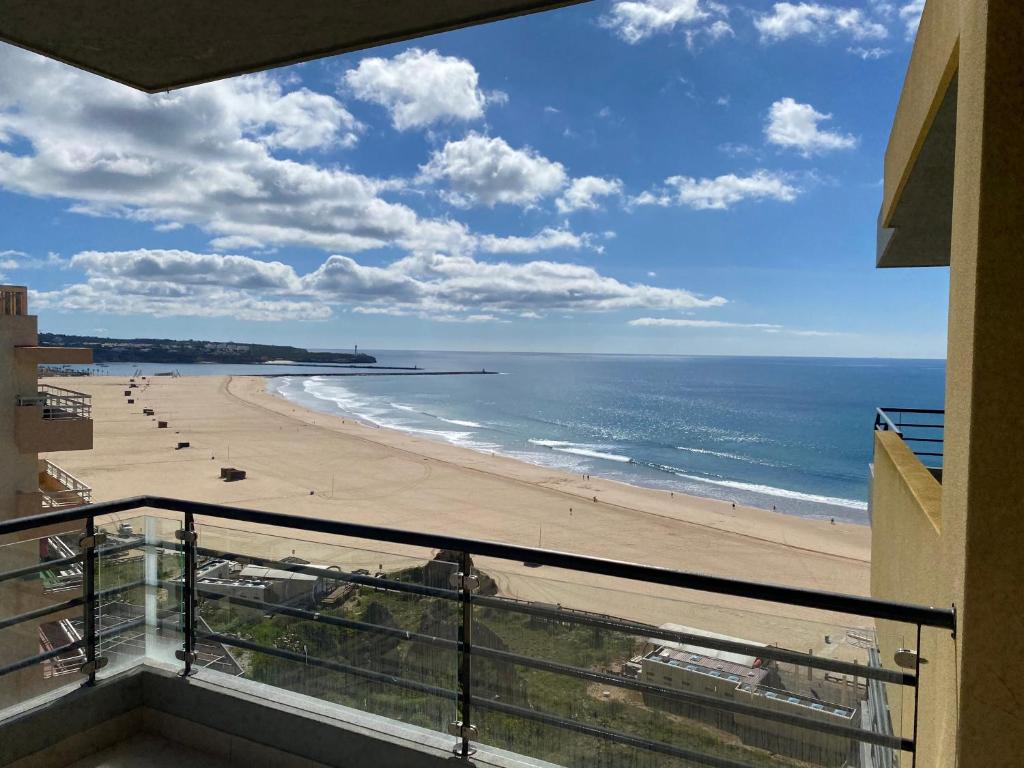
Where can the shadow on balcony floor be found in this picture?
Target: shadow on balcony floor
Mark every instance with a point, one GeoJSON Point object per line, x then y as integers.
{"type": "Point", "coordinates": [148, 751]}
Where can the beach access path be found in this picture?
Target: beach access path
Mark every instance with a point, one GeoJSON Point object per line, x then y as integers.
{"type": "Point", "coordinates": [309, 463]}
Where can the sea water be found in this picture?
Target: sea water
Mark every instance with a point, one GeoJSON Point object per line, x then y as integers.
{"type": "Point", "coordinates": [791, 434]}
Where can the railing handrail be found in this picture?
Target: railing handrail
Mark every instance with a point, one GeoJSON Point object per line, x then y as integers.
{"type": "Point", "coordinates": [62, 392]}
{"type": "Point", "coordinates": [65, 478]}
{"type": "Point", "coordinates": [59, 403]}
{"type": "Point", "coordinates": [944, 618]}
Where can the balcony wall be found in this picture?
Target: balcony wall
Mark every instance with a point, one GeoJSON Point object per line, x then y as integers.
{"type": "Point", "coordinates": [32, 355]}
{"type": "Point", "coordinates": [907, 556]}
{"type": "Point", "coordinates": [34, 434]}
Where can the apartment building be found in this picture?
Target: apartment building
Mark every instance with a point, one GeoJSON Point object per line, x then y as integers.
{"type": "Point", "coordinates": [36, 418]}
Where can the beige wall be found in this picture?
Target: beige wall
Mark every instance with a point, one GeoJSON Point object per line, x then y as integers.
{"type": "Point", "coordinates": [18, 471]}
{"type": "Point", "coordinates": [34, 434]}
{"type": "Point", "coordinates": [971, 553]}
{"type": "Point", "coordinates": [907, 552]}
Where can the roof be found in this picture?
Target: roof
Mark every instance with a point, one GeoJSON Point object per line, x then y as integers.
{"type": "Point", "coordinates": [157, 46]}
{"type": "Point", "coordinates": [259, 572]}
{"type": "Point", "coordinates": [744, 660]}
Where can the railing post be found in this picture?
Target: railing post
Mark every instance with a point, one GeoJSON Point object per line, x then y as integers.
{"type": "Point", "coordinates": [187, 537]}
{"type": "Point", "coordinates": [463, 728]}
{"type": "Point", "coordinates": [88, 544]}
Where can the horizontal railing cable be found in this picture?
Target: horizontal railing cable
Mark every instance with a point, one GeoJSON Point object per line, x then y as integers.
{"type": "Point", "coordinates": [334, 666]}
{"type": "Point", "coordinates": [696, 699]}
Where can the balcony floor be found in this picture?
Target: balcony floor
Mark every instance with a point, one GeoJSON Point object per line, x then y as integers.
{"type": "Point", "coordinates": [148, 751]}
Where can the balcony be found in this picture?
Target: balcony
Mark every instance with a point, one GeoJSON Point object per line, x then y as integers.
{"type": "Point", "coordinates": [275, 639]}
{"type": "Point", "coordinates": [13, 300]}
{"type": "Point", "coordinates": [922, 429]}
{"type": "Point", "coordinates": [61, 489]}
{"type": "Point", "coordinates": [35, 355]}
{"type": "Point", "coordinates": [53, 419]}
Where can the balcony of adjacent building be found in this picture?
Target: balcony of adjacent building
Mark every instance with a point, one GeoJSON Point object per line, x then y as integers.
{"type": "Point", "coordinates": [167, 630]}
{"type": "Point", "coordinates": [60, 489]}
{"type": "Point", "coordinates": [53, 419]}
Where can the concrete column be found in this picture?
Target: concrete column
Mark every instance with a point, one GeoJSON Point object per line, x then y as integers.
{"type": "Point", "coordinates": [983, 483]}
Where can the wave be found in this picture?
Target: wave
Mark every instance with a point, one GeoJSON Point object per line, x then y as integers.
{"type": "Point", "coordinates": [461, 422]}
{"type": "Point", "coordinates": [456, 422]}
{"type": "Point", "coordinates": [725, 455]}
{"type": "Point", "coordinates": [582, 449]}
{"type": "Point", "coordinates": [785, 493]}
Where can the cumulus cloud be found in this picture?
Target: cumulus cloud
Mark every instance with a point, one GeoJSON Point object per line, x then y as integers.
{"type": "Point", "coordinates": [636, 20]}
{"type": "Point", "coordinates": [419, 88]}
{"type": "Point", "coordinates": [175, 282]}
{"type": "Point", "coordinates": [549, 238]}
{"type": "Point", "coordinates": [721, 192]}
{"type": "Point", "coordinates": [208, 156]}
{"type": "Point", "coordinates": [793, 125]}
{"type": "Point", "coordinates": [481, 170]}
{"type": "Point", "coordinates": [910, 15]}
{"type": "Point", "coordinates": [20, 260]}
{"type": "Point", "coordinates": [582, 193]}
{"type": "Point", "coordinates": [816, 21]}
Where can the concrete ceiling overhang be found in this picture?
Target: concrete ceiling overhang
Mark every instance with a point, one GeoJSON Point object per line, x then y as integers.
{"type": "Point", "coordinates": [156, 45]}
{"type": "Point", "coordinates": [919, 230]}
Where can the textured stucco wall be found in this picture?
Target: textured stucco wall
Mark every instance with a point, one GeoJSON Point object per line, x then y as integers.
{"type": "Point", "coordinates": [18, 472]}
{"type": "Point", "coordinates": [975, 556]}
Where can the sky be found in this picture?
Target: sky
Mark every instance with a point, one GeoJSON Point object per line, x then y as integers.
{"type": "Point", "coordinates": [652, 176]}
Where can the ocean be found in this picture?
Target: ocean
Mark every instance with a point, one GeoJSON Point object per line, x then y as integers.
{"type": "Point", "coordinates": [791, 434]}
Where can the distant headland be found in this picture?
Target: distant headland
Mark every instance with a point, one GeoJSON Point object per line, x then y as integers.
{"type": "Point", "coordinates": [194, 351]}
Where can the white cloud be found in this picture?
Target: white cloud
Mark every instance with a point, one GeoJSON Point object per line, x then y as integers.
{"type": "Point", "coordinates": [775, 328]}
{"type": "Point", "coordinates": [721, 192]}
{"type": "Point", "coordinates": [582, 193]}
{"type": "Point", "coordinates": [675, 322]}
{"type": "Point", "coordinates": [547, 239]}
{"type": "Point", "coordinates": [172, 282]}
{"type": "Point", "coordinates": [910, 15]}
{"type": "Point", "coordinates": [205, 156]}
{"type": "Point", "coordinates": [480, 170]}
{"type": "Point", "coordinates": [420, 88]}
{"type": "Point", "coordinates": [793, 125]}
{"type": "Point", "coordinates": [636, 20]}
{"type": "Point", "coordinates": [814, 20]}
{"type": "Point", "coordinates": [20, 260]}
{"type": "Point", "coordinates": [869, 54]}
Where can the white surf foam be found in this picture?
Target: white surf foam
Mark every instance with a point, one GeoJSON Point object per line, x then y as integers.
{"type": "Point", "coordinates": [583, 449]}
{"type": "Point", "coordinates": [784, 493]}
{"type": "Point", "coordinates": [462, 423]}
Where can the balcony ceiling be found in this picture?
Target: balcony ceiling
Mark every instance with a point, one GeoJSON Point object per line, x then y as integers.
{"type": "Point", "coordinates": [920, 228]}
{"type": "Point", "coordinates": [158, 46]}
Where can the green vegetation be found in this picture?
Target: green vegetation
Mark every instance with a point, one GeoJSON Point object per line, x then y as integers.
{"type": "Point", "coordinates": [193, 351]}
{"type": "Point", "coordinates": [567, 643]}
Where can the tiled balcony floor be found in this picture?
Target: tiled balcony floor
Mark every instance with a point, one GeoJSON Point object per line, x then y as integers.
{"type": "Point", "coordinates": [148, 751]}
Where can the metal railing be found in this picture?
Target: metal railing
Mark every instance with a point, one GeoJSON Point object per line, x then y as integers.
{"type": "Point", "coordinates": [13, 300]}
{"type": "Point", "coordinates": [922, 428]}
{"type": "Point", "coordinates": [59, 403]}
{"type": "Point", "coordinates": [474, 704]}
{"type": "Point", "coordinates": [72, 493]}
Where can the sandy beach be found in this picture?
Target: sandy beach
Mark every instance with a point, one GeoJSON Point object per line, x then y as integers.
{"type": "Point", "coordinates": [308, 463]}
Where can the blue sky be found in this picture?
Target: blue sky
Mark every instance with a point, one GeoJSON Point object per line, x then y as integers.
{"type": "Point", "coordinates": [658, 176]}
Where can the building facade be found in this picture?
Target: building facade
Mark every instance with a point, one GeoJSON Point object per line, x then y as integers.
{"type": "Point", "coordinates": [36, 418]}
{"type": "Point", "coordinates": [954, 170]}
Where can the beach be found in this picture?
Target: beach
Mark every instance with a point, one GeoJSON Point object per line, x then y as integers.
{"type": "Point", "coordinates": [309, 463]}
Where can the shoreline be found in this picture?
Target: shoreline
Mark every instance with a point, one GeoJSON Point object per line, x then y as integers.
{"type": "Point", "coordinates": [304, 462]}
{"type": "Point", "coordinates": [571, 483]}
{"type": "Point", "coordinates": [845, 510]}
